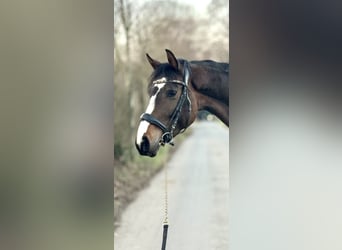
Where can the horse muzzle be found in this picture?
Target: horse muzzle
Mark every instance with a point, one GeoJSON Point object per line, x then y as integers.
{"type": "Point", "coordinates": [148, 143]}
{"type": "Point", "coordinates": [144, 147]}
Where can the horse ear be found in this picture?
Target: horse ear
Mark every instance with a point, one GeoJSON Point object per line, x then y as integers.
{"type": "Point", "coordinates": [172, 59]}
{"type": "Point", "coordinates": [154, 63]}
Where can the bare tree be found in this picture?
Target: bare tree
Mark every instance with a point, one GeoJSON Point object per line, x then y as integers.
{"type": "Point", "coordinates": [216, 28]}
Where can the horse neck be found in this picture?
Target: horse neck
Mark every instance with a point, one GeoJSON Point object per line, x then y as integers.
{"type": "Point", "coordinates": [210, 84]}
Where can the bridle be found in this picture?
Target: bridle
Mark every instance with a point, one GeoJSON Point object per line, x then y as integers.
{"type": "Point", "coordinates": [168, 131]}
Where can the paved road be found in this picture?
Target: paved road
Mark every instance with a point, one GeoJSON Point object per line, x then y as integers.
{"type": "Point", "coordinates": [198, 198]}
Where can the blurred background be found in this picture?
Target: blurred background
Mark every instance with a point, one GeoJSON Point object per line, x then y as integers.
{"type": "Point", "coordinates": [56, 104]}
{"type": "Point", "coordinates": [285, 133]}
{"type": "Point", "coordinates": [193, 30]}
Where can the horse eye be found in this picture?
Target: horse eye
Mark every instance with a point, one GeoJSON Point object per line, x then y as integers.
{"type": "Point", "coordinates": [171, 93]}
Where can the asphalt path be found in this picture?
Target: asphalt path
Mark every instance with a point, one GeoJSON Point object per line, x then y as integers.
{"type": "Point", "coordinates": [197, 177]}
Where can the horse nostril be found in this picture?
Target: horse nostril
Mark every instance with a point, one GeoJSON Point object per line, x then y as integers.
{"type": "Point", "coordinates": [145, 145]}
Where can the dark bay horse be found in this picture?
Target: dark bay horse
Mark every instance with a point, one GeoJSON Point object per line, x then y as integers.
{"type": "Point", "coordinates": [179, 89]}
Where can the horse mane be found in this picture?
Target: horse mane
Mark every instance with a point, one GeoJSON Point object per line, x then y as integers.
{"type": "Point", "coordinates": [220, 66]}
{"type": "Point", "coordinates": [165, 69]}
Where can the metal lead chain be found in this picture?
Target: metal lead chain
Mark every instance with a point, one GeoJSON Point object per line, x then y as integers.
{"type": "Point", "coordinates": [166, 219]}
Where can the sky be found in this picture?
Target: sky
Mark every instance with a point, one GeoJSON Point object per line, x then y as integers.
{"type": "Point", "coordinates": [199, 5]}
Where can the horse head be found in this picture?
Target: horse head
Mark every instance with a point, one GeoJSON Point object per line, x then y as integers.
{"type": "Point", "coordinates": [172, 106]}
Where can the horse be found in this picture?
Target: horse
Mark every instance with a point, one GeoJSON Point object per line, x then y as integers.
{"type": "Point", "coordinates": [178, 90]}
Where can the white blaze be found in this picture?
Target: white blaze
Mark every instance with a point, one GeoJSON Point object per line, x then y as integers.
{"type": "Point", "coordinates": [143, 126]}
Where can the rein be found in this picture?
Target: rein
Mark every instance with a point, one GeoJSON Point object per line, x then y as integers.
{"type": "Point", "coordinates": [167, 136]}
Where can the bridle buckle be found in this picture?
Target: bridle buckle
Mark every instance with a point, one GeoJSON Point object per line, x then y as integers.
{"type": "Point", "coordinates": [167, 139]}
